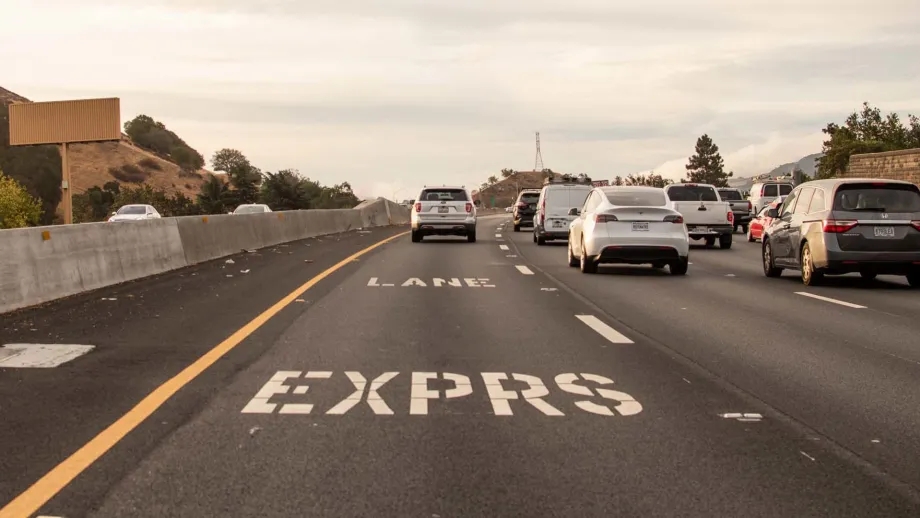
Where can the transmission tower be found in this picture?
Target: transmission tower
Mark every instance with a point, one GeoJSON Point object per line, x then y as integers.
{"type": "Point", "coordinates": [538, 160]}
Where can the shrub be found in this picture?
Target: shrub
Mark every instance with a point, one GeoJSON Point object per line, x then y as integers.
{"type": "Point", "coordinates": [129, 173]}
{"type": "Point", "coordinates": [150, 163]}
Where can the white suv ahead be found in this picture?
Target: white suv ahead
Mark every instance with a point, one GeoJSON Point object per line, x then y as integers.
{"type": "Point", "coordinates": [443, 211]}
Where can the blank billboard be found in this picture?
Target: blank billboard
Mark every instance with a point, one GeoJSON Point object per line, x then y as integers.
{"type": "Point", "coordinates": [59, 122]}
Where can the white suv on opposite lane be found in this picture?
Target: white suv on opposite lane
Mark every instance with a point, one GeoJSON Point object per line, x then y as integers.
{"type": "Point", "coordinates": [443, 211]}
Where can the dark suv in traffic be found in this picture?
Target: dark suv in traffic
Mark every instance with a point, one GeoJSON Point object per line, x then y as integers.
{"type": "Point", "coordinates": [839, 226]}
{"type": "Point", "coordinates": [525, 207]}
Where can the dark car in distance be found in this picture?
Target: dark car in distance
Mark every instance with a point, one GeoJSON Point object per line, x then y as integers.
{"type": "Point", "coordinates": [525, 206]}
{"type": "Point", "coordinates": [845, 225]}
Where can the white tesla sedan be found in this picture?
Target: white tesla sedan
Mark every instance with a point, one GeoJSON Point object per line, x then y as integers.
{"type": "Point", "coordinates": [628, 225]}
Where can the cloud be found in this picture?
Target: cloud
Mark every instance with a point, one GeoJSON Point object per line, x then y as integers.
{"type": "Point", "coordinates": [392, 94]}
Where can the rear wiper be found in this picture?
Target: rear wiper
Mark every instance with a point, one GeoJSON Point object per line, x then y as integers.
{"type": "Point", "coordinates": [869, 209]}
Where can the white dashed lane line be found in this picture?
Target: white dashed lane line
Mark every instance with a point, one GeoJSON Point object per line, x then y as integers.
{"type": "Point", "coordinates": [828, 299]}
{"type": "Point", "coordinates": [498, 235]}
{"type": "Point", "coordinates": [523, 269]}
{"type": "Point", "coordinates": [603, 329]}
{"type": "Point", "coordinates": [503, 247]}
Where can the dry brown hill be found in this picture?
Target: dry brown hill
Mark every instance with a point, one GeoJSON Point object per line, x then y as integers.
{"type": "Point", "coordinates": [123, 162]}
{"type": "Point", "coordinates": [506, 190]}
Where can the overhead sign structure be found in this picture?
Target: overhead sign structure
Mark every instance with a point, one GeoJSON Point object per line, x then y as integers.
{"type": "Point", "coordinates": [63, 123]}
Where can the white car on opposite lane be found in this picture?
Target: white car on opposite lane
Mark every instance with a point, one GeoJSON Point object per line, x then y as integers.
{"type": "Point", "coordinates": [628, 225]}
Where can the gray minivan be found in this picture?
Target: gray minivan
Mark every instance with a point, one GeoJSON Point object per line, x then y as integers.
{"type": "Point", "coordinates": [849, 225]}
{"type": "Point", "coordinates": [552, 219]}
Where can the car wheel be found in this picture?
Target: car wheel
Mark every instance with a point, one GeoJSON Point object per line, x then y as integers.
{"type": "Point", "coordinates": [809, 276]}
{"type": "Point", "coordinates": [680, 266]}
{"type": "Point", "coordinates": [913, 279]}
{"type": "Point", "coordinates": [750, 237]}
{"type": "Point", "coordinates": [744, 229]}
{"type": "Point", "coordinates": [725, 241]}
{"type": "Point", "coordinates": [573, 260]}
{"type": "Point", "coordinates": [769, 269]}
{"type": "Point", "coordinates": [534, 237]}
{"type": "Point", "coordinates": [587, 265]}
{"type": "Point", "coordinates": [517, 228]}
{"type": "Point", "coordinates": [541, 241]}
{"type": "Point", "coordinates": [710, 242]}
{"type": "Point", "coordinates": [471, 237]}
{"type": "Point", "coordinates": [416, 236]}
{"type": "Point", "coordinates": [658, 266]}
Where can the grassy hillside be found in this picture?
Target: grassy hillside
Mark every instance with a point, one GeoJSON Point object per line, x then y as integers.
{"type": "Point", "coordinates": [505, 190]}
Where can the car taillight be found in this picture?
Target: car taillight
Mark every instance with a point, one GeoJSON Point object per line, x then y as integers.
{"type": "Point", "coordinates": [674, 219]}
{"type": "Point", "coordinates": [731, 217]}
{"type": "Point", "coordinates": [418, 207]}
{"type": "Point", "coordinates": [836, 226]}
{"type": "Point", "coordinates": [605, 218]}
{"type": "Point", "coordinates": [915, 224]}
{"type": "Point", "coordinates": [469, 207]}
{"type": "Point", "coordinates": [750, 206]}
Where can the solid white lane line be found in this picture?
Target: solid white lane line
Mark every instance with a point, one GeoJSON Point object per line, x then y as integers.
{"type": "Point", "coordinates": [828, 299]}
{"type": "Point", "coordinates": [498, 235]}
{"type": "Point", "coordinates": [523, 269]}
{"type": "Point", "coordinates": [603, 329]}
{"type": "Point", "coordinates": [503, 247]}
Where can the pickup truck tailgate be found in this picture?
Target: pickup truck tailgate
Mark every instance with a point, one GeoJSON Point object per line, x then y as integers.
{"type": "Point", "coordinates": [705, 213]}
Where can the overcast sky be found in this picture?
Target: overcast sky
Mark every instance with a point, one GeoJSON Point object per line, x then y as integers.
{"type": "Point", "coordinates": [390, 94]}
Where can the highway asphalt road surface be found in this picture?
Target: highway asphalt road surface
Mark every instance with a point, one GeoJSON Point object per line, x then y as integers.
{"type": "Point", "coordinates": [454, 379]}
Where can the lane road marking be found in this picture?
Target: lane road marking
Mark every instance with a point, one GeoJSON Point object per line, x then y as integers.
{"type": "Point", "coordinates": [828, 299]}
{"type": "Point", "coordinates": [31, 500]}
{"type": "Point", "coordinates": [603, 329]}
{"type": "Point", "coordinates": [523, 269]}
{"type": "Point", "coordinates": [503, 247]}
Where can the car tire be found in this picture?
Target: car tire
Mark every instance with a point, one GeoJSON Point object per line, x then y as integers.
{"type": "Point", "coordinates": [810, 277]}
{"type": "Point", "coordinates": [750, 237]}
{"type": "Point", "coordinates": [541, 241]}
{"type": "Point", "coordinates": [471, 237]}
{"type": "Point", "coordinates": [725, 241]}
{"type": "Point", "coordinates": [416, 236]}
{"type": "Point", "coordinates": [769, 268]}
{"type": "Point", "coordinates": [573, 261]}
{"type": "Point", "coordinates": [744, 229]}
{"type": "Point", "coordinates": [680, 266]}
{"type": "Point", "coordinates": [710, 242]}
{"type": "Point", "coordinates": [517, 228]}
{"type": "Point", "coordinates": [585, 263]}
{"type": "Point", "coordinates": [913, 279]}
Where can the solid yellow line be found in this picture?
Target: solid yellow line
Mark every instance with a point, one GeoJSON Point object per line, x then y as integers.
{"type": "Point", "coordinates": [29, 502]}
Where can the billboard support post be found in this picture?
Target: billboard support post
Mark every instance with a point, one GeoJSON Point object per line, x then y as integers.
{"type": "Point", "coordinates": [63, 123]}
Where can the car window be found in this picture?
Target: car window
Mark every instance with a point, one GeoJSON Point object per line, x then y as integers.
{"type": "Point", "coordinates": [770, 191]}
{"type": "Point", "coordinates": [784, 189]}
{"type": "Point", "coordinates": [566, 198]}
{"type": "Point", "coordinates": [248, 209]}
{"type": "Point", "coordinates": [763, 212]}
{"type": "Point", "coordinates": [788, 204]}
{"type": "Point", "coordinates": [591, 202]}
{"type": "Point", "coordinates": [879, 197]}
{"type": "Point", "coordinates": [530, 197]}
{"type": "Point", "coordinates": [729, 195]}
{"type": "Point", "coordinates": [132, 210]}
{"type": "Point", "coordinates": [630, 198]}
{"type": "Point", "coordinates": [804, 200]}
{"type": "Point", "coordinates": [692, 193]}
{"type": "Point", "coordinates": [443, 194]}
{"type": "Point", "coordinates": [817, 202]}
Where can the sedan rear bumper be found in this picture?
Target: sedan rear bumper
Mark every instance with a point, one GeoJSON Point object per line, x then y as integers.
{"type": "Point", "coordinates": [653, 246]}
{"type": "Point", "coordinates": [881, 263]}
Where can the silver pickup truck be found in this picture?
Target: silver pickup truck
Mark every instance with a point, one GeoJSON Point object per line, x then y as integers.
{"type": "Point", "coordinates": [705, 214]}
{"type": "Point", "coordinates": [741, 208]}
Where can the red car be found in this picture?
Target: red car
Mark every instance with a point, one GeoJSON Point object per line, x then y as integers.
{"type": "Point", "coordinates": [760, 221]}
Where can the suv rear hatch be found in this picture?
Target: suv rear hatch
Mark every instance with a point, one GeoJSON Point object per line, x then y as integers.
{"type": "Point", "coordinates": [558, 201]}
{"type": "Point", "coordinates": [876, 217]}
{"type": "Point", "coordinates": [443, 205]}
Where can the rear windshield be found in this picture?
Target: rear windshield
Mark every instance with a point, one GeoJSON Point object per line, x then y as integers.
{"type": "Point", "coordinates": [530, 197]}
{"type": "Point", "coordinates": [692, 193]}
{"type": "Point", "coordinates": [132, 210]}
{"type": "Point", "coordinates": [784, 189]}
{"type": "Point", "coordinates": [248, 209]}
{"type": "Point", "coordinates": [566, 197]}
{"type": "Point", "coordinates": [862, 197]}
{"type": "Point", "coordinates": [443, 195]}
{"type": "Point", "coordinates": [627, 198]}
{"type": "Point", "coordinates": [730, 195]}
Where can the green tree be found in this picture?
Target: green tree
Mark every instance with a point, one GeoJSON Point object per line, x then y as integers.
{"type": "Point", "coordinates": [18, 208]}
{"type": "Point", "coordinates": [154, 136]}
{"type": "Point", "coordinates": [865, 131]}
{"type": "Point", "coordinates": [492, 180]}
{"type": "Point", "coordinates": [96, 203]}
{"type": "Point", "coordinates": [706, 165]}
{"type": "Point", "coordinates": [212, 196]}
{"type": "Point", "coordinates": [650, 180]}
{"type": "Point", "coordinates": [37, 168]}
{"type": "Point", "coordinates": [285, 190]}
{"type": "Point", "coordinates": [618, 180]}
{"type": "Point", "coordinates": [507, 173]}
{"type": "Point", "coordinates": [244, 177]}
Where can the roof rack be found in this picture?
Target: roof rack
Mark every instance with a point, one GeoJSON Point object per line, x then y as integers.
{"type": "Point", "coordinates": [566, 181]}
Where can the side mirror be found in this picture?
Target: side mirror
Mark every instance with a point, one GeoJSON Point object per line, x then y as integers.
{"type": "Point", "coordinates": [574, 212]}
{"type": "Point", "coordinates": [115, 213]}
{"type": "Point", "coordinates": [772, 213]}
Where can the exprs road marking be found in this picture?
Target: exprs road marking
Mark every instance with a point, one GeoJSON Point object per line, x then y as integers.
{"type": "Point", "coordinates": [523, 269]}
{"type": "Point", "coordinates": [828, 299]}
{"type": "Point", "coordinates": [37, 495]}
{"type": "Point", "coordinates": [421, 392]}
{"type": "Point", "coordinates": [603, 329]}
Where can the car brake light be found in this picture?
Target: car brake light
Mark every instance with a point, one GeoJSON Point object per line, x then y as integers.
{"type": "Point", "coordinates": [915, 224]}
{"type": "Point", "coordinates": [675, 218]}
{"type": "Point", "coordinates": [605, 218]}
{"type": "Point", "coordinates": [750, 206]}
{"type": "Point", "coordinates": [469, 207]}
{"type": "Point", "coordinates": [836, 226]}
{"type": "Point", "coordinates": [731, 217]}
{"type": "Point", "coordinates": [418, 207]}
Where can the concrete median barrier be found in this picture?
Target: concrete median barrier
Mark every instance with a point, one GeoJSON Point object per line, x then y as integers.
{"type": "Point", "coordinates": [41, 264]}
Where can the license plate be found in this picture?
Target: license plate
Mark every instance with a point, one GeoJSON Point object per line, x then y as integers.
{"type": "Point", "coordinates": [702, 229]}
{"type": "Point", "coordinates": [558, 224]}
{"type": "Point", "coordinates": [640, 227]}
{"type": "Point", "coordinates": [442, 210]}
{"type": "Point", "coordinates": [884, 231]}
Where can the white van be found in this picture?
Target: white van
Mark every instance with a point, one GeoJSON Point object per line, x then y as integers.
{"type": "Point", "coordinates": [557, 199]}
{"type": "Point", "coordinates": [765, 192]}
